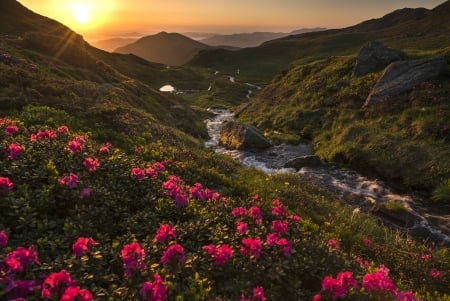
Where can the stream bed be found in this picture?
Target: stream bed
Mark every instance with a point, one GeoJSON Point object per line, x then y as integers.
{"type": "Point", "coordinates": [425, 222]}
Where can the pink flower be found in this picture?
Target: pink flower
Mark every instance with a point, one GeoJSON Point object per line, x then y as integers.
{"type": "Point", "coordinates": [174, 253]}
{"type": "Point", "coordinates": [14, 151]}
{"type": "Point", "coordinates": [220, 254]}
{"type": "Point", "coordinates": [255, 213]}
{"type": "Point", "coordinates": [271, 239]}
{"type": "Point", "coordinates": [406, 296]}
{"type": "Point", "coordinates": [286, 245]}
{"type": "Point", "coordinates": [74, 293]}
{"type": "Point", "coordinates": [82, 244]}
{"type": "Point", "coordinates": [133, 257]}
{"type": "Point", "coordinates": [435, 273]}
{"type": "Point", "coordinates": [71, 181]}
{"type": "Point", "coordinates": [11, 130]}
{"type": "Point", "coordinates": [5, 185]}
{"type": "Point", "coordinates": [252, 247]}
{"type": "Point", "coordinates": [367, 242]}
{"type": "Point", "coordinates": [3, 238]}
{"type": "Point", "coordinates": [339, 287]}
{"type": "Point", "coordinates": [159, 167]}
{"type": "Point", "coordinates": [152, 173]}
{"type": "Point", "coordinates": [164, 232]}
{"type": "Point", "coordinates": [19, 258]}
{"type": "Point", "coordinates": [75, 146]}
{"type": "Point", "coordinates": [257, 198]}
{"type": "Point", "coordinates": [91, 164]}
{"type": "Point", "coordinates": [19, 288]}
{"type": "Point", "coordinates": [295, 218]}
{"type": "Point", "coordinates": [63, 129]}
{"type": "Point", "coordinates": [379, 281]}
{"type": "Point", "coordinates": [280, 227]}
{"type": "Point", "coordinates": [138, 149]}
{"type": "Point", "coordinates": [317, 297]}
{"type": "Point", "coordinates": [104, 149]}
{"type": "Point", "coordinates": [258, 294]}
{"type": "Point", "coordinates": [44, 135]}
{"type": "Point", "coordinates": [334, 244]}
{"type": "Point", "coordinates": [239, 211]}
{"type": "Point", "coordinates": [138, 173]}
{"type": "Point", "coordinates": [154, 291]}
{"type": "Point", "coordinates": [278, 208]}
{"type": "Point", "coordinates": [174, 190]}
{"type": "Point", "coordinates": [55, 283]}
{"type": "Point", "coordinates": [241, 227]}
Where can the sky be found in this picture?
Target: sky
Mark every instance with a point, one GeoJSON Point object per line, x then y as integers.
{"type": "Point", "coordinates": [97, 19]}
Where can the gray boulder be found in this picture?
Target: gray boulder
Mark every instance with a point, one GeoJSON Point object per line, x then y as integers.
{"type": "Point", "coordinates": [236, 135]}
{"type": "Point", "coordinates": [400, 77]}
{"type": "Point", "coordinates": [303, 161]}
{"type": "Point", "coordinates": [374, 57]}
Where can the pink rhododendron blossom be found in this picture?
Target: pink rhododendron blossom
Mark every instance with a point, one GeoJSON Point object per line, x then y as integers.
{"type": "Point", "coordinates": [258, 293]}
{"type": "Point", "coordinates": [138, 173]}
{"type": "Point", "coordinates": [252, 247]}
{"type": "Point", "coordinates": [154, 291]}
{"type": "Point", "coordinates": [91, 164]}
{"type": "Point", "coordinates": [75, 146]}
{"type": "Point", "coordinates": [165, 232]}
{"type": "Point", "coordinates": [286, 245]}
{"type": "Point", "coordinates": [334, 244]}
{"type": "Point", "coordinates": [74, 293]}
{"type": "Point", "coordinates": [14, 151]}
{"type": "Point", "coordinates": [197, 191]}
{"type": "Point", "coordinates": [71, 181]}
{"type": "Point", "coordinates": [105, 148]}
{"type": "Point", "coordinates": [295, 218]}
{"type": "Point", "coordinates": [238, 211]}
{"type": "Point", "coordinates": [133, 257]}
{"type": "Point", "coordinates": [63, 129]}
{"type": "Point", "coordinates": [340, 286]}
{"type": "Point", "coordinates": [379, 281]}
{"type": "Point", "coordinates": [255, 213]}
{"type": "Point", "coordinates": [280, 227]}
{"type": "Point", "coordinates": [17, 260]}
{"type": "Point", "coordinates": [159, 167]}
{"type": "Point", "coordinates": [241, 227]}
{"type": "Point", "coordinates": [220, 254]}
{"type": "Point", "coordinates": [406, 296]}
{"type": "Point", "coordinates": [56, 283]}
{"type": "Point", "coordinates": [278, 208]}
{"type": "Point", "coordinates": [138, 149]}
{"type": "Point", "coordinates": [435, 273]}
{"type": "Point", "coordinates": [174, 253]}
{"type": "Point", "coordinates": [11, 130]}
{"type": "Point", "coordinates": [17, 289]}
{"type": "Point", "coordinates": [82, 244]}
{"type": "Point", "coordinates": [271, 239]}
{"type": "Point", "coordinates": [257, 198]}
{"type": "Point", "coordinates": [44, 135]}
{"type": "Point", "coordinates": [317, 297]}
{"type": "Point", "coordinates": [425, 257]}
{"type": "Point", "coordinates": [3, 238]}
{"type": "Point", "coordinates": [367, 242]}
{"type": "Point", "coordinates": [364, 264]}
{"type": "Point", "coordinates": [174, 190]}
{"type": "Point", "coordinates": [151, 172]}
{"type": "Point", "coordinates": [5, 185]}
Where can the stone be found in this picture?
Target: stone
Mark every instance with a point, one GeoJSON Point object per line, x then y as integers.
{"type": "Point", "coordinates": [374, 57]}
{"type": "Point", "coordinates": [303, 161]}
{"type": "Point", "coordinates": [236, 135]}
{"type": "Point", "coordinates": [400, 77]}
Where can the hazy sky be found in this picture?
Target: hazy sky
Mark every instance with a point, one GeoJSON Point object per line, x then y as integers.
{"type": "Point", "coordinates": [96, 18]}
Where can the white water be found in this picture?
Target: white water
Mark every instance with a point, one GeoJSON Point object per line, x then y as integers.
{"type": "Point", "coordinates": [167, 88]}
{"type": "Point", "coordinates": [350, 186]}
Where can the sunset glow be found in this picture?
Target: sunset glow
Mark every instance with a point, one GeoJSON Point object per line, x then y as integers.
{"type": "Point", "coordinates": [119, 17]}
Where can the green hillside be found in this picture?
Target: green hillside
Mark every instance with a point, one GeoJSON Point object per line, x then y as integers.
{"type": "Point", "coordinates": [107, 192]}
{"type": "Point", "coordinates": [422, 31]}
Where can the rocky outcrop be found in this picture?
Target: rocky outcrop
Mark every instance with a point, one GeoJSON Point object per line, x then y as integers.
{"type": "Point", "coordinates": [303, 161]}
{"type": "Point", "coordinates": [400, 77]}
{"type": "Point", "coordinates": [374, 57]}
{"type": "Point", "coordinates": [235, 135]}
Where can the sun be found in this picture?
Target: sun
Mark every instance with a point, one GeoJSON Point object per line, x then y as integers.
{"type": "Point", "coordinates": [81, 12]}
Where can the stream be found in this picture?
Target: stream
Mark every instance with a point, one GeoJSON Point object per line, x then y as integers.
{"type": "Point", "coordinates": [427, 223]}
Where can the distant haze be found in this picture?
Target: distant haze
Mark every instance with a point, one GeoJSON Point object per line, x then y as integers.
{"type": "Point", "coordinates": [113, 18]}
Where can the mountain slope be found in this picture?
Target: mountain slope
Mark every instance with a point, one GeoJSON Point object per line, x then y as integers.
{"type": "Point", "coordinates": [254, 39]}
{"type": "Point", "coordinates": [411, 30]}
{"type": "Point", "coordinates": [111, 44]}
{"type": "Point", "coordinates": [171, 49]}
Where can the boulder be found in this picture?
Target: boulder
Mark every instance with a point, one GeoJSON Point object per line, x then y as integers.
{"type": "Point", "coordinates": [303, 161]}
{"type": "Point", "coordinates": [374, 57]}
{"type": "Point", "coordinates": [236, 135]}
{"type": "Point", "coordinates": [400, 77]}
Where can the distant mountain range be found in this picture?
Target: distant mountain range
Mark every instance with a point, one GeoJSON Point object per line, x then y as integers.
{"type": "Point", "coordinates": [112, 44]}
{"type": "Point", "coordinates": [254, 39]}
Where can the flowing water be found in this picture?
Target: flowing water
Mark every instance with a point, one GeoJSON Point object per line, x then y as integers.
{"type": "Point", "coordinates": [428, 223]}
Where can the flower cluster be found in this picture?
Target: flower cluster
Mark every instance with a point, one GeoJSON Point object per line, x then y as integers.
{"type": "Point", "coordinates": [91, 164]}
{"type": "Point", "coordinates": [17, 260]}
{"type": "Point", "coordinates": [174, 253]}
{"type": "Point", "coordinates": [14, 151]}
{"type": "Point", "coordinates": [197, 191]}
{"type": "Point", "coordinates": [133, 257]}
{"type": "Point", "coordinates": [61, 284]}
{"type": "Point", "coordinates": [76, 144]}
{"type": "Point", "coordinates": [220, 254]}
{"type": "Point", "coordinates": [154, 291]}
{"type": "Point", "coordinates": [165, 232]}
{"type": "Point", "coordinates": [5, 185]}
{"type": "Point", "coordinates": [70, 181]}
{"type": "Point", "coordinates": [173, 188]}
{"type": "Point", "coordinates": [81, 245]}
{"type": "Point", "coordinates": [258, 294]}
{"type": "Point", "coordinates": [252, 247]}
{"type": "Point", "coordinates": [44, 135]}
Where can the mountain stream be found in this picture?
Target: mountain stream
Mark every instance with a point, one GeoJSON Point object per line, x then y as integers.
{"type": "Point", "coordinates": [428, 223]}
